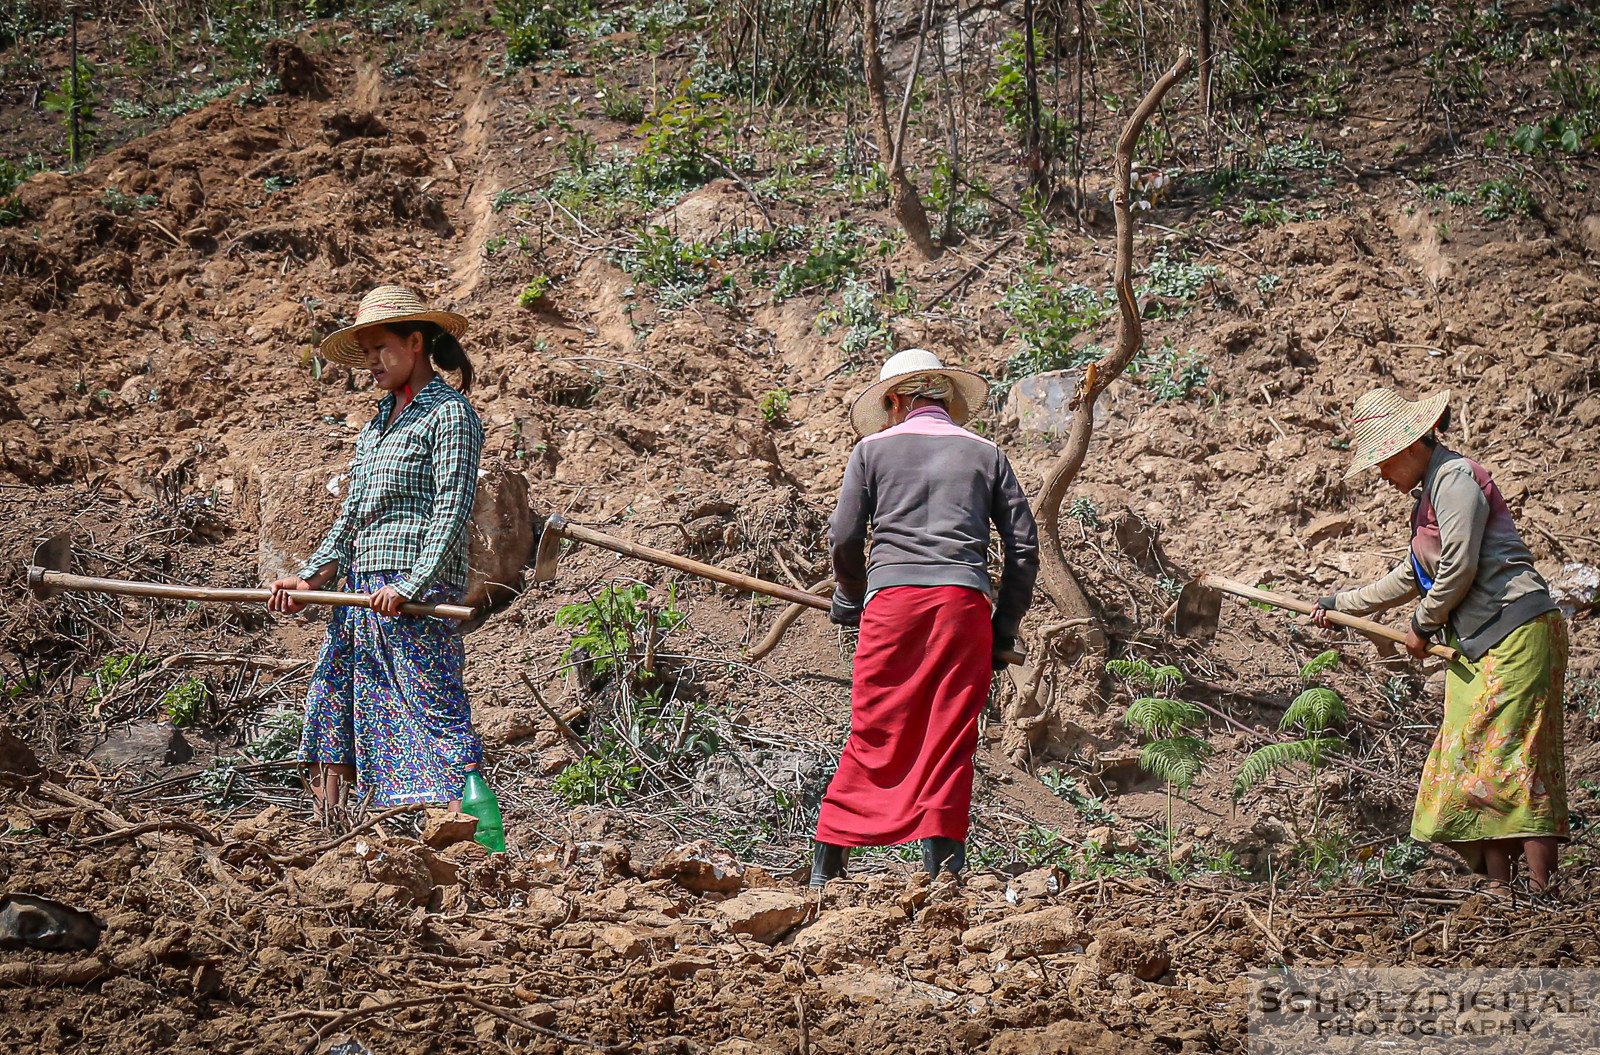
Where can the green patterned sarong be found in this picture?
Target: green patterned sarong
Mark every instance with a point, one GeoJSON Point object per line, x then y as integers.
{"type": "Point", "coordinates": [1496, 769]}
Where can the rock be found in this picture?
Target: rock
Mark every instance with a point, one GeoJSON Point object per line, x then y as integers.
{"type": "Point", "coordinates": [740, 1046]}
{"type": "Point", "coordinates": [1232, 337]}
{"type": "Point", "coordinates": [1038, 403]}
{"type": "Point", "coordinates": [1039, 883]}
{"type": "Point", "coordinates": [847, 934]}
{"type": "Point", "coordinates": [443, 828]}
{"type": "Point", "coordinates": [1203, 832]}
{"type": "Point", "coordinates": [499, 539]}
{"type": "Point", "coordinates": [368, 872]}
{"type": "Point", "coordinates": [1099, 838]}
{"type": "Point", "coordinates": [1065, 1038]}
{"type": "Point", "coordinates": [31, 922]}
{"type": "Point", "coordinates": [19, 766]}
{"type": "Point", "coordinates": [622, 941]}
{"type": "Point", "coordinates": [1125, 842]}
{"type": "Point", "coordinates": [765, 915]}
{"type": "Point", "coordinates": [144, 745]}
{"type": "Point", "coordinates": [505, 725]}
{"type": "Point", "coordinates": [1576, 589]}
{"type": "Point", "coordinates": [1037, 933]}
{"type": "Point", "coordinates": [701, 867]}
{"type": "Point", "coordinates": [1334, 525]}
{"type": "Point", "coordinates": [1144, 955]}
{"type": "Point", "coordinates": [263, 827]}
{"type": "Point", "coordinates": [1234, 463]}
{"type": "Point", "coordinates": [553, 760]}
{"type": "Point", "coordinates": [902, 995]}
{"type": "Point", "coordinates": [295, 509]}
{"type": "Point", "coordinates": [545, 908]}
{"type": "Point", "coordinates": [1587, 413]}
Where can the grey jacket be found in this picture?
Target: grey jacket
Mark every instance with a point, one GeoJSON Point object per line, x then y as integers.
{"type": "Point", "coordinates": [1467, 562]}
{"type": "Point", "coordinates": [929, 490]}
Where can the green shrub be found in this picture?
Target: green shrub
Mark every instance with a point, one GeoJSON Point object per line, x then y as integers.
{"type": "Point", "coordinates": [534, 291]}
{"type": "Point", "coordinates": [1503, 198]}
{"type": "Point", "coordinates": [183, 702]}
{"type": "Point", "coordinates": [1047, 317]}
{"type": "Point", "coordinates": [1173, 375]}
{"type": "Point", "coordinates": [597, 779]}
{"type": "Point", "coordinates": [611, 627]}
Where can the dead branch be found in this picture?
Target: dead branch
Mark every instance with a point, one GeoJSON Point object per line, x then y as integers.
{"type": "Point", "coordinates": [904, 201]}
{"type": "Point", "coordinates": [1055, 574]}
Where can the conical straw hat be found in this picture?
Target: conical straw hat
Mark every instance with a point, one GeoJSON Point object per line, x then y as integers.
{"type": "Point", "coordinates": [868, 414]}
{"type": "Point", "coordinates": [385, 304]}
{"type": "Point", "coordinates": [1384, 423]}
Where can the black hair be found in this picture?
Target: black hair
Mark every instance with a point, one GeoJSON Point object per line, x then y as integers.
{"type": "Point", "coordinates": [1430, 439]}
{"type": "Point", "coordinates": [440, 346]}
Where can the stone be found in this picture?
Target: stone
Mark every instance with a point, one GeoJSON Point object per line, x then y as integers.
{"type": "Point", "coordinates": [622, 941]}
{"type": "Point", "coordinates": [1099, 838]}
{"type": "Point", "coordinates": [740, 1046]}
{"type": "Point", "coordinates": [294, 510]}
{"type": "Point", "coordinates": [1142, 954]}
{"type": "Point", "coordinates": [847, 934]}
{"type": "Point", "coordinates": [1204, 831]}
{"type": "Point", "coordinates": [1066, 1037]}
{"type": "Point", "coordinates": [700, 867]}
{"type": "Point", "coordinates": [1576, 589]}
{"type": "Point", "coordinates": [263, 827]}
{"type": "Point", "coordinates": [1039, 883]}
{"type": "Point", "coordinates": [368, 872]}
{"type": "Point", "coordinates": [506, 725]}
{"type": "Point", "coordinates": [1587, 413]}
{"type": "Point", "coordinates": [499, 539]}
{"type": "Point", "coordinates": [546, 909]}
{"type": "Point", "coordinates": [143, 745]}
{"type": "Point", "coordinates": [28, 921]}
{"type": "Point", "coordinates": [553, 760]}
{"type": "Point", "coordinates": [1039, 403]}
{"type": "Point", "coordinates": [1038, 933]}
{"type": "Point", "coordinates": [1234, 463]}
{"type": "Point", "coordinates": [765, 915]}
{"type": "Point", "coordinates": [19, 766]}
{"type": "Point", "coordinates": [442, 828]}
{"type": "Point", "coordinates": [1334, 525]}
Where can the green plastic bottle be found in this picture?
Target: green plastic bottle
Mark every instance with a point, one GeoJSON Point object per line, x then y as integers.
{"type": "Point", "coordinates": [477, 800]}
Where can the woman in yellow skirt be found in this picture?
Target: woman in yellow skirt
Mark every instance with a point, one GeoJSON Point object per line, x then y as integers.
{"type": "Point", "coordinates": [1494, 787]}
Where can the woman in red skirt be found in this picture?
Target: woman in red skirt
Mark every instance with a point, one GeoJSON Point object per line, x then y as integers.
{"type": "Point", "coordinates": [931, 622]}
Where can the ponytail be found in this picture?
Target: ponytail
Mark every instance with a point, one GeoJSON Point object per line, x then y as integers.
{"type": "Point", "coordinates": [440, 346]}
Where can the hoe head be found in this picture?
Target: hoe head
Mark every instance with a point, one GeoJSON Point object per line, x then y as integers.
{"type": "Point", "coordinates": [544, 563]}
{"type": "Point", "coordinates": [53, 554]}
{"type": "Point", "coordinates": [1199, 607]}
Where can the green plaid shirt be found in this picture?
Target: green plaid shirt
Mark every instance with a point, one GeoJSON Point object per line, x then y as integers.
{"type": "Point", "coordinates": [412, 484]}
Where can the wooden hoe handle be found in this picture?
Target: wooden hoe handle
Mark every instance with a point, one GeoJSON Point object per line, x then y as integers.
{"type": "Point", "coordinates": [40, 578]}
{"type": "Point", "coordinates": [1294, 604]}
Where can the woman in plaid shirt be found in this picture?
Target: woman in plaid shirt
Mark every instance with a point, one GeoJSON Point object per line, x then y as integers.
{"type": "Point", "coordinates": [386, 708]}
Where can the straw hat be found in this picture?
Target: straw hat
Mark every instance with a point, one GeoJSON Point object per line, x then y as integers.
{"type": "Point", "coordinates": [385, 304]}
{"type": "Point", "coordinates": [1386, 423]}
{"type": "Point", "coordinates": [869, 415]}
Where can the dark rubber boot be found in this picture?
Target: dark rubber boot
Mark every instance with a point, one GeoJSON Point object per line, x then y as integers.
{"type": "Point", "coordinates": [948, 854]}
{"type": "Point", "coordinates": [827, 862]}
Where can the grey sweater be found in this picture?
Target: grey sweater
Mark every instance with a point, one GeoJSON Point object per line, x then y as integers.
{"type": "Point", "coordinates": [1467, 562]}
{"type": "Point", "coordinates": [929, 490]}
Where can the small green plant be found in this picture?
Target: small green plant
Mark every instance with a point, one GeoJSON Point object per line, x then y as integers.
{"type": "Point", "coordinates": [534, 28]}
{"type": "Point", "coordinates": [1176, 756]}
{"type": "Point", "coordinates": [1503, 198]}
{"type": "Point", "coordinates": [681, 138]}
{"type": "Point", "coordinates": [1265, 214]}
{"type": "Point", "coordinates": [596, 779]}
{"type": "Point", "coordinates": [534, 292]}
{"type": "Point", "coordinates": [831, 260]}
{"type": "Point", "coordinates": [1092, 808]}
{"type": "Point", "coordinates": [1048, 316]}
{"type": "Point", "coordinates": [677, 271]}
{"type": "Point", "coordinates": [1141, 674]}
{"type": "Point", "coordinates": [75, 102]}
{"type": "Point", "coordinates": [1173, 279]}
{"type": "Point", "coordinates": [619, 104]}
{"type": "Point", "coordinates": [123, 204]}
{"type": "Point", "coordinates": [1173, 375]}
{"type": "Point", "coordinates": [1269, 282]}
{"type": "Point", "coordinates": [1083, 511]}
{"type": "Point", "coordinates": [611, 627]}
{"type": "Point", "coordinates": [579, 149]}
{"type": "Point", "coordinates": [1319, 665]}
{"type": "Point", "coordinates": [11, 177]}
{"type": "Point", "coordinates": [863, 318]}
{"type": "Point", "coordinates": [112, 670]}
{"type": "Point", "coordinates": [1314, 712]}
{"type": "Point", "coordinates": [774, 405]}
{"type": "Point", "coordinates": [183, 703]}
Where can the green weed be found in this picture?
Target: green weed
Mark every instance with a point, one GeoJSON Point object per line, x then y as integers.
{"type": "Point", "coordinates": [774, 405]}
{"type": "Point", "coordinates": [534, 291]}
{"type": "Point", "coordinates": [1083, 511]}
{"type": "Point", "coordinates": [112, 670]}
{"type": "Point", "coordinates": [1504, 198]}
{"type": "Point", "coordinates": [596, 779]}
{"type": "Point", "coordinates": [183, 703]}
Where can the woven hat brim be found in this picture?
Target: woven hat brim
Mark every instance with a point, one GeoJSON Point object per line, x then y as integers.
{"type": "Point", "coordinates": [868, 415]}
{"type": "Point", "coordinates": [1404, 432]}
{"type": "Point", "coordinates": [341, 346]}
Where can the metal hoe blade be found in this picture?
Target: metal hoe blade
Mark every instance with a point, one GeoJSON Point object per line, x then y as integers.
{"type": "Point", "coordinates": [1199, 608]}
{"type": "Point", "coordinates": [53, 554]}
{"type": "Point", "coordinates": [544, 564]}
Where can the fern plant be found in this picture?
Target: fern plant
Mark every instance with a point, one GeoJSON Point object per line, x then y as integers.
{"type": "Point", "coordinates": [1314, 712]}
{"type": "Point", "coordinates": [1175, 756]}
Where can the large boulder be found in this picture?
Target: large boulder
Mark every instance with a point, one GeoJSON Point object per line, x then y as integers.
{"type": "Point", "coordinates": [296, 507]}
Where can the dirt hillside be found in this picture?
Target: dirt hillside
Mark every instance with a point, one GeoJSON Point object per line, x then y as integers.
{"type": "Point", "coordinates": [675, 285]}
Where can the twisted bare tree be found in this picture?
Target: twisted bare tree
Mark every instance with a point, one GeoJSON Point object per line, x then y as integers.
{"type": "Point", "coordinates": [1028, 716]}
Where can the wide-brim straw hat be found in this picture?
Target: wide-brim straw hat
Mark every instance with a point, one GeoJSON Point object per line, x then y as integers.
{"type": "Point", "coordinates": [869, 415]}
{"type": "Point", "coordinates": [1384, 423]}
{"type": "Point", "coordinates": [385, 304]}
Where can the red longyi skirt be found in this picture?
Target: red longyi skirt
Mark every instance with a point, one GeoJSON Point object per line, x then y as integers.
{"type": "Point", "coordinates": [921, 678]}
